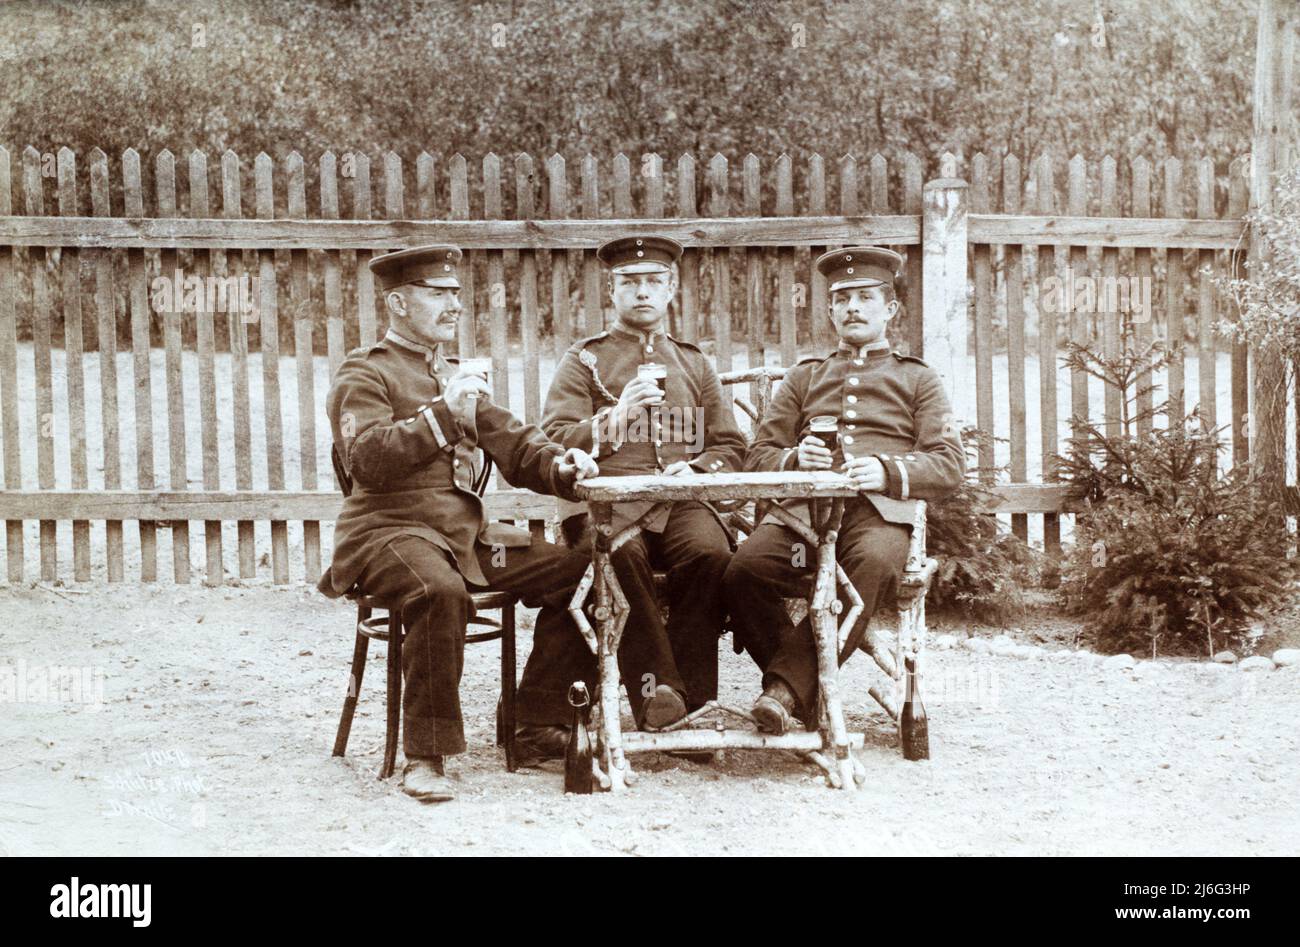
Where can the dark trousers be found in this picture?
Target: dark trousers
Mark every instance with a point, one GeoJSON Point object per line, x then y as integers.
{"type": "Point", "coordinates": [683, 653]}
{"type": "Point", "coordinates": [775, 563]}
{"type": "Point", "coordinates": [436, 608]}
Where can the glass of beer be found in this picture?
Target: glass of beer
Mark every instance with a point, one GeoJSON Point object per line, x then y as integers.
{"type": "Point", "coordinates": [656, 373]}
{"type": "Point", "coordinates": [826, 428]}
{"type": "Point", "coordinates": [477, 366]}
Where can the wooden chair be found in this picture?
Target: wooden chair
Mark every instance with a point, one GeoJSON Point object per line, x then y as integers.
{"type": "Point", "coordinates": [389, 627]}
{"type": "Point", "coordinates": [918, 571]}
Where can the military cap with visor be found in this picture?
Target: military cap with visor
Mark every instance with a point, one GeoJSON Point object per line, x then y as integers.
{"type": "Point", "coordinates": [628, 255]}
{"type": "Point", "coordinates": [433, 265]}
{"type": "Point", "coordinates": [852, 267]}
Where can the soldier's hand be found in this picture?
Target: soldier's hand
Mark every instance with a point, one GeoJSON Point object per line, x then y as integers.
{"type": "Point", "coordinates": [638, 393]}
{"type": "Point", "coordinates": [577, 464]}
{"type": "Point", "coordinates": [867, 473]}
{"type": "Point", "coordinates": [813, 454]}
{"type": "Point", "coordinates": [679, 468]}
{"type": "Point", "coordinates": [461, 394]}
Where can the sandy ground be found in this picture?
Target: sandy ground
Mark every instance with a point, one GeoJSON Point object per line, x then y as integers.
{"type": "Point", "coordinates": [219, 707]}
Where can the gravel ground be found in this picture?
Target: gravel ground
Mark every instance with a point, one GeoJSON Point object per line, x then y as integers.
{"type": "Point", "coordinates": [219, 707]}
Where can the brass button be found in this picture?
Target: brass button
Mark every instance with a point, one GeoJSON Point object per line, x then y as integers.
{"type": "Point", "coordinates": [850, 413]}
{"type": "Point", "coordinates": [852, 399]}
{"type": "Point", "coordinates": [848, 438]}
{"type": "Point", "coordinates": [853, 380]}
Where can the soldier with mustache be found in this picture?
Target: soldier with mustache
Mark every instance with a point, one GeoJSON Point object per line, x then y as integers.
{"type": "Point", "coordinates": [895, 437]}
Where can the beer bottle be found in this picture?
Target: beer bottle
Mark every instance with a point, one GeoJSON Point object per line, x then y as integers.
{"type": "Point", "coordinates": [578, 777]}
{"type": "Point", "coordinates": [913, 726]}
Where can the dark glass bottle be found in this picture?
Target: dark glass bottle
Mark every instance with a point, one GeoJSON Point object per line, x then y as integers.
{"type": "Point", "coordinates": [578, 776]}
{"type": "Point", "coordinates": [913, 726]}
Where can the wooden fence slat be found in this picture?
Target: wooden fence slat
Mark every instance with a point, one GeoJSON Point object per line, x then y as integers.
{"type": "Point", "coordinates": [593, 304]}
{"type": "Point", "coordinates": [622, 186]}
{"type": "Point", "coordinates": [106, 334]}
{"type": "Point", "coordinates": [528, 304]}
{"type": "Point", "coordinates": [365, 279]}
{"type": "Point", "coordinates": [1080, 328]}
{"type": "Point", "coordinates": [141, 372]}
{"type": "Point", "coordinates": [458, 178]}
{"type": "Point", "coordinates": [1173, 207]}
{"type": "Point", "coordinates": [269, 306]}
{"type": "Point", "coordinates": [34, 194]}
{"type": "Point", "coordinates": [815, 303]}
{"type": "Point", "coordinates": [1205, 309]}
{"type": "Point", "coordinates": [557, 186]}
{"type": "Point", "coordinates": [426, 184]}
{"type": "Point", "coordinates": [74, 351]}
{"type": "Point", "coordinates": [983, 265]}
{"type": "Point", "coordinates": [1238, 198]}
{"type": "Point", "coordinates": [1046, 266]}
{"type": "Point", "coordinates": [690, 264]}
{"type": "Point", "coordinates": [178, 479]}
{"type": "Point", "coordinates": [498, 327]}
{"type": "Point", "coordinates": [1015, 287]}
{"type": "Point", "coordinates": [332, 273]}
{"type": "Point", "coordinates": [237, 343]}
{"type": "Point", "coordinates": [1143, 267]}
{"type": "Point", "coordinates": [652, 177]}
{"type": "Point", "coordinates": [13, 474]}
{"type": "Point", "coordinates": [754, 301]}
{"type": "Point", "coordinates": [913, 197]}
{"type": "Point", "coordinates": [719, 204]}
{"type": "Point", "coordinates": [303, 350]}
{"type": "Point", "coordinates": [1108, 310]}
{"type": "Point", "coordinates": [788, 332]}
{"type": "Point", "coordinates": [205, 344]}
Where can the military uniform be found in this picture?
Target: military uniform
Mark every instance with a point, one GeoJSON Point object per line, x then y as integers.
{"type": "Point", "coordinates": [891, 407]}
{"type": "Point", "coordinates": [413, 527]}
{"type": "Point", "coordinates": [695, 424]}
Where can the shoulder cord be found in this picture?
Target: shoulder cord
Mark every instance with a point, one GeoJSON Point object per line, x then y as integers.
{"type": "Point", "coordinates": [590, 361]}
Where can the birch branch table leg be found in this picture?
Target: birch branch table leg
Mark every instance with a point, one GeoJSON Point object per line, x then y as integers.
{"type": "Point", "coordinates": [835, 733]}
{"type": "Point", "coordinates": [609, 625]}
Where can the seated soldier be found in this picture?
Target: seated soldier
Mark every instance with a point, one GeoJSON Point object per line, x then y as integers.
{"type": "Point", "coordinates": [644, 402]}
{"type": "Point", "coordinates": [409, 425]}
{"type": "Point", "coordinates": [894, 436]}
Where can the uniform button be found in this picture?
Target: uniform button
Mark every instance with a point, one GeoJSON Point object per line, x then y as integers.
{"type": "Point", "coordinates": [848, 438]}
{"type": "Point", "coordinates": [456, 462]}
{"type": "Point", "coordinates": [852, 399]}
{"type": "Point", "coordinates": [850, 413]}
{"type": "Point", "coordinates": [851, 427]}
{"type": "Point", "coordinates": [853, 380]}
{"type": "Point", "coordinates": [911, 457]}
{"type": "Point", "coordinates": [857, 361]}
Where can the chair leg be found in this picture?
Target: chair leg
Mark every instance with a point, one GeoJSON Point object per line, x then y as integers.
{"type": "Point", "coordinates": [394, 724]}
{"type": "Point", "coordinates": [359, 650]}
{"type": "Point", "coordinates": [508, 685]}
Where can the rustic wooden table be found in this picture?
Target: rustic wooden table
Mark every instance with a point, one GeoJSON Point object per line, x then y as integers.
{"type": "Point", "coordinates": [830, 744]}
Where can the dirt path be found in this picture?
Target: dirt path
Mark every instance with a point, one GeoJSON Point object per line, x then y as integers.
{"type": "Point", "coordinates": [219, 709]}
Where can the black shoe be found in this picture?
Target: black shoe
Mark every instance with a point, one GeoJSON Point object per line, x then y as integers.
{"type": "Point", "coordinates": [537, 742]}
{"type": "Point", "coordinates": [774, 711]}
{"type": "Point", "coordinates": [663, 708]}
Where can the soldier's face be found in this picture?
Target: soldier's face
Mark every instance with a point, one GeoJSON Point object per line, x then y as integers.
{"type": "Point", "coordinates": [641, 299]}
{"type": "Point", "coordinates": [861, 313]}
{"type": "Point", "coordinates": [429, 314]}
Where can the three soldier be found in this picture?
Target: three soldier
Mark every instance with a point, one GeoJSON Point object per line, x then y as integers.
{"type": "Point", "coordinates": [633, 400]}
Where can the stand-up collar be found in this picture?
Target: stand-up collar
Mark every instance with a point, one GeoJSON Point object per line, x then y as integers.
{"type": "Point", "coordinates": [644, 338]}
{"type": "Point", "coordinates": [878, 347]}
{"type": "Point", "coordinates": [429, 354]}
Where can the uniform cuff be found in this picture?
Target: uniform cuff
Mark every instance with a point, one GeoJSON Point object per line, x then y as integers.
{"type": "Point", "coordinates": [446, 429]}
{"type": "Point", "coordinates": [789, 459]}
{"type": "Point", "coordinates": [706, 464]}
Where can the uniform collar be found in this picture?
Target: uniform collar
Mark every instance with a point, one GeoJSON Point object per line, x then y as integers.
{"type": "Point", "coordinates": [420, 349]}
{"type": "Point", "coordinates": [432, 356]}
{"type": "Point", "coordinates": [878, 347]}
{"type": "Point", "coordinates": [644, 338]}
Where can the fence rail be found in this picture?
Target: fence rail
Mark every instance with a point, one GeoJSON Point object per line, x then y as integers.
{"type": "Point", "coordinates": [217, 417]}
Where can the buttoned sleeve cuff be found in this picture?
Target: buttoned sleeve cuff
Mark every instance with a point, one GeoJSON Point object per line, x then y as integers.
{"type": "Point", "coordinates": [896, 478]}
{"type": "Point", "coordinates": [446, 429]}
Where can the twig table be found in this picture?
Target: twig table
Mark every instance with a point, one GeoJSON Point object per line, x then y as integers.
{"type": "Point", "coordinates": [829, 746]}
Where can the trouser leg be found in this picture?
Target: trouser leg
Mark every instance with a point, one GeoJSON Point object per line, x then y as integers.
{"type": "Point", "coordinates": [695, 550]}
{"type": "Point", "coordinates": [545, 574]}
{"type": "Point", "coordinates": [435, 608]}
{"type": "Point", "coordinates": [872, 553]}
{"type": "Point", "coordinates": [645, 656]}
{"type": "Point", "coordinates": [772, 565]}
